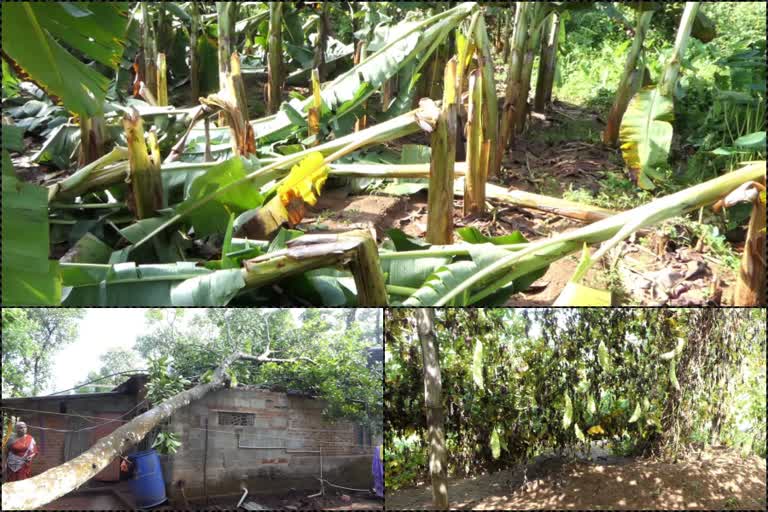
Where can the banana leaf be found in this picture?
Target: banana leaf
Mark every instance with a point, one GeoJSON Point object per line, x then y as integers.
{"type": "Point", "coordinates": [449, 277]}
{"type": "Point", "coordinates": [31, 35]}
{"type": "Point", "coordinates": [646, 134]}
{"type": "Point", "coordinates": [128, 284]}
{"type": "Point", "coordinates": [29, 277]}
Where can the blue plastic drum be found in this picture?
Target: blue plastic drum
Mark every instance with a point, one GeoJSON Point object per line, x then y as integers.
{"type": "Point", "coordinates": [147, 484]}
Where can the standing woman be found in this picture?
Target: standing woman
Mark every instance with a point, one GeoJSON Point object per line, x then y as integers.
{"type": "Point", "coordinates": [21, 449]}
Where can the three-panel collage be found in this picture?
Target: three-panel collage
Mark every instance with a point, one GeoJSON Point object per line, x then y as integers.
{"type": "Point", "coordinates": [383, 255]}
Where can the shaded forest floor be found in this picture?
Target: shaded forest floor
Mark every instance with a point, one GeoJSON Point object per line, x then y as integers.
{"type": "Point", "coordinates": [716, 479]}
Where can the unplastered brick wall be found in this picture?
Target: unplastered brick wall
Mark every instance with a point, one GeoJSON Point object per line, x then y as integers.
{"type": "Point", "coordinates": [268, 441]}
{"type": "Point", "coordinates": [56, 424]}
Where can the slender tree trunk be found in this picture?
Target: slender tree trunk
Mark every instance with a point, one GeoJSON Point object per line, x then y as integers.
{"type": "Point", "coordinates": [34, 493]}
{"type": "Point", "coordinates": [474, 182]}
{"type": "Point", "coordinates": [626, 90]}
{"type": "Point", "coordinates": [322, 41]}
{"type": "Point", "coordinates": [194, 72]}
{"type": "Point", "coordinates": [438, 456]}
{"type": "Point", "coordinates": [508, 22]}
{"type": "Point", "coordinates": [93, 137]}
{"type": "Point", "coordinates": [150, 69]}
{"type": "Point", "coordinates": [162, 80]}
{"type": "Point", "coordinates": [275, 57]}
{"type": "Point", "coordinates": [35, 377]}
{"type": "Point", "coordinates": [547, 63]}
{"type": "Point", "coordinates": [226, 17]}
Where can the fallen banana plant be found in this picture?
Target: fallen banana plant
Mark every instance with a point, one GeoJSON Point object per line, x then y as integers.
{"type": "Point", "coordinates": [186, 284]}
{"type": "Point", "coordinates": [112, 169]}
{"type": "Point", "coordinates": [491, 268]}
{"type": "Point", "coordinates": [425, 117]}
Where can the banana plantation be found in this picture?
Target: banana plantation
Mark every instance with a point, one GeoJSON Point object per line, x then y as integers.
{"type": "Point", "coordinates": [575, 408]}
{"type": "Point", "coordinates": [383, 153]}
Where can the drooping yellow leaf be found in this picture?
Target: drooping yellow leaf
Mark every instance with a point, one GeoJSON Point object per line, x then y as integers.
{"type": "Point", "coordinates": [304, 181]}
{"type": "Point", "coordinates": [646, 134]}
{"type": "Point", "coordinates": [301, 187]}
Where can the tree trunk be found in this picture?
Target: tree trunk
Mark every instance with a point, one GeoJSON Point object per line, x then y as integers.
{"type": "Point", "coordinates": [625, 91]}
{"type": "Point", "coordinates": [322, 41]}
{"type": "Point", "coordinates": [226, 18]}
{"type": "Point", "coordinates": [150, 70]}
{"type": "Point", "coordinates": [474, 182]}
{"type": "Point", "coordinates": [532, 46]}
{"type": "Point", "coordinates": [35, 492]}
{"type": "Point", "coordinates": [508, 22]}
{"type": "Point", "coordinates": [194, 72]}
{"type": "Point", "coordinates": [36, 377]}
{"type": "Point", "coordinates": [547, 64]}
{"type": "Point", "coordinates": [275, 57]}
{"type": "Point", "coordinates": [438, 457]}
{"type": "Point", "coordinates": [93, 136]}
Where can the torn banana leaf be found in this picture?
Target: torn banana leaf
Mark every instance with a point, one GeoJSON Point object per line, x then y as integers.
{"type": "Point", "coordinates": [646, 134]}
{"type": "Point", "coordinates": [414, 43]}
{"type": "Point", "coordinates": [300, 188]}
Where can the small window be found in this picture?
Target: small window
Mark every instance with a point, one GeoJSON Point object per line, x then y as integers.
{"type": "Point", "coordinates": [238, 419]}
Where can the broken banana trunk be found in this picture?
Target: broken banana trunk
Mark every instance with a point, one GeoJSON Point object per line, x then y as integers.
{"type": "Point", "coordinates": [146, 183]}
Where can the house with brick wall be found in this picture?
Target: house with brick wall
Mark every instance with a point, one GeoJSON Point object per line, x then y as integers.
{"type": "Point", "coordinates": [244, 437]}
{"type": "Point", "coordinates": [64, 426]}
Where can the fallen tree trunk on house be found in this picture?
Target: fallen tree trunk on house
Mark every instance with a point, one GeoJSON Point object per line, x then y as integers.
{"type": "Point", "coordinates": [42, 489]}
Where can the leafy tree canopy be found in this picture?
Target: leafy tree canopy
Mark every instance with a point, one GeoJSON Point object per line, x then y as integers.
{"type": "Point", "coordinates": [31, 338]}
{"type": "Point", "coordinates": [338, 341]}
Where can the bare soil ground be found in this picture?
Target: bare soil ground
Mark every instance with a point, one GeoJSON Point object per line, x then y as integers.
{"type": "Point", "coordinates": [717, 479]}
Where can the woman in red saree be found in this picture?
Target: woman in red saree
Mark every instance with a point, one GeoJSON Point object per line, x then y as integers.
{"type": "Point", "coordinates": [21, 450]}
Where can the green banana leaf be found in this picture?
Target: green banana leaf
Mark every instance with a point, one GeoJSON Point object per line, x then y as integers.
{"type": "Point", "coordinates": [31, 35]}
{"type": "Point", "coordinates": [213, 216]}
{"type": "Point", "coordinates": [412, 46]}
{"type": "Point", "coordinates": [128, 284]}
{"type": "Point", "coordinates": [29, 277]}
{"type": "Point", "coordinates": [646, 134]}
{"type": "Point", "coordinates": [448, 277]}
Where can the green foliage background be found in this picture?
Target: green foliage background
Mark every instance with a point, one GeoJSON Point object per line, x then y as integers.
{"type": "Point", "coordinates": [532, 359]}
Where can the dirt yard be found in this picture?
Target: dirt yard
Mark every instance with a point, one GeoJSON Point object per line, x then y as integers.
{"type": "Point", "coordinates": [718, 479]}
